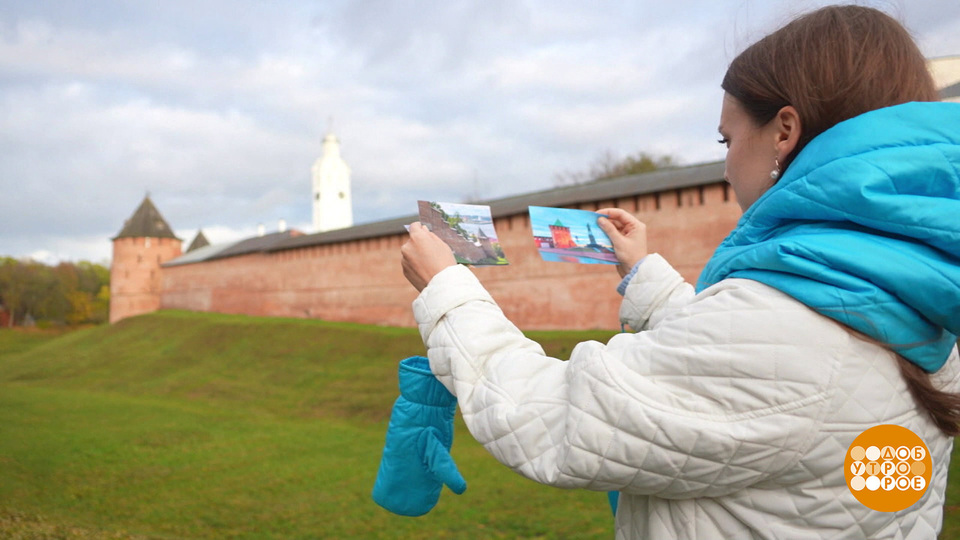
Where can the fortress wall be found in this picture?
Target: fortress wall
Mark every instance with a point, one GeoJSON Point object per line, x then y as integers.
{"type": "Point", "coordinates": [361, 281]}
{"type": "Point", "coordinates": [358, 281]}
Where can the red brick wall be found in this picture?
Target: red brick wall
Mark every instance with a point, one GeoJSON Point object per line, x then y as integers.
{"type": "Point", "coordinates": [136, 276]}
{"type": "Point", "coordinates": [361, 281]}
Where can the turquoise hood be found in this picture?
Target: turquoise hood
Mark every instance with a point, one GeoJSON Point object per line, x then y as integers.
{"type": "Point", "coordinates": [864, 227]}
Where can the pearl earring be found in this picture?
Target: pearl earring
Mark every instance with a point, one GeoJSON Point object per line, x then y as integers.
{"type": "Point", "coordinates": [775, 174]}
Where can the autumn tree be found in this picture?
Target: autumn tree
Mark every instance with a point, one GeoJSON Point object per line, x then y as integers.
{"type": "Point", "coordinates": [67, 293]}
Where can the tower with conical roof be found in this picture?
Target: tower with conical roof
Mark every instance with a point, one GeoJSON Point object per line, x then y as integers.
{"type": "Point", "coordinates": [143, 244]}
{"type": "Point", "coordinates": [199, 241]}
{"type": "Point", "coordinates": [332, 203]}
{"type": "Point", "coordinates": [561, 236]}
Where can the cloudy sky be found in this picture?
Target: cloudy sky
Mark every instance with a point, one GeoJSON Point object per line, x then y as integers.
{"type": "Point", "coordinates": [217, 107]}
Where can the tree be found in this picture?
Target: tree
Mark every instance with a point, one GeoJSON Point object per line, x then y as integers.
{"type": "Point", "coordinates": [67, 293]}
{"type": "Point", "coordinates": [13, 283]}
{"type": "Point", "coordinates": [101, 304]}
{"type": "Point", "coordinates": [608, 166]}
{"type": "Point", "coordinates": [454, 222]}
{"type": "Point", "coordinates": [81, 307]}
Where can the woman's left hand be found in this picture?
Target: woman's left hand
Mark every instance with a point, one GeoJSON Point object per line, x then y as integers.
{"type": "Point", "coordinates": [424, 255]}
{"type": "Point", "coordinates": [628, 234]}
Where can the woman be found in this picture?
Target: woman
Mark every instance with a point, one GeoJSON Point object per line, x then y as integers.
{"type": "Point", "coordinates": [833, 307]}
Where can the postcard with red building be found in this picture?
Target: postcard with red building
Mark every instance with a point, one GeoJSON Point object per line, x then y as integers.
{"type": "Point", "coordinates": [569, 235]}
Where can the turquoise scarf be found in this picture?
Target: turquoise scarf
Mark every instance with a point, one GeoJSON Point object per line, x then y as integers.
{"type": "Point", "coordinates": [864, 227]}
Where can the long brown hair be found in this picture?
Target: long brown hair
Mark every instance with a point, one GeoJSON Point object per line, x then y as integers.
{"type": "Point", "coordinates": [833, 64]}
{"type": "Point", "coordinates": [942, 407]}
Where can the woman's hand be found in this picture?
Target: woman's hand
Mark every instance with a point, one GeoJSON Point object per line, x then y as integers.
{"type": "Point", "coordinates": [628, 234]}
{"type": "Point", "coordinates": [424, 256]}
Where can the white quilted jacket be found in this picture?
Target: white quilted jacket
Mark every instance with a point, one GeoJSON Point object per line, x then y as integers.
{"type": "Point", "coordinates": [727, 415]}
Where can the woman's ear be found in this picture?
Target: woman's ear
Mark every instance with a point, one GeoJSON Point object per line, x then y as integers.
{"type": "Point", "coordinates": [787, 131]}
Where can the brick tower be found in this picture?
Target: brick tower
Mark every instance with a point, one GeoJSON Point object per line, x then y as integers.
{"type": "Point", "coordinates": [144, 243]}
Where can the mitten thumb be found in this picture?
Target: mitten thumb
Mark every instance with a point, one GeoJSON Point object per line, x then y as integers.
{"type": "Point", "coordinates": [437, 460]}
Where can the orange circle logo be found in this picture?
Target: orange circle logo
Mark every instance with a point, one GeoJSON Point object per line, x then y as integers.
{"type": "Point", "coordinates": [888, 468]}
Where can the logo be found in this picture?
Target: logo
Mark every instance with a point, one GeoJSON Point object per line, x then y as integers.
{"type": "Point", "coordinates": [888, 468]}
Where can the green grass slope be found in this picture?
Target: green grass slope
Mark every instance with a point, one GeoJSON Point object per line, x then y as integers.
{"type": "Point", "coordinates": [185, 425]}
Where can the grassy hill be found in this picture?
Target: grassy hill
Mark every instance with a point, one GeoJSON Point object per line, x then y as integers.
{"type": "Point", "coordinates": [184, 425]}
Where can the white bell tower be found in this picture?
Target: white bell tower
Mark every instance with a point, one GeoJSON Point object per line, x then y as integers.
{"type": "Point", "coordinates": [332, 204]}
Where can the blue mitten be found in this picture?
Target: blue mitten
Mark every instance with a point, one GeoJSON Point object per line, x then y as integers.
{"type": "Point", "coordinates": [416, 458]}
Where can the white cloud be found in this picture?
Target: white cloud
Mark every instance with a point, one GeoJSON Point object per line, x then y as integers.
{"type": "Point", "coordinates": [221, 117]}
{"type": "Point", "coordinates": [59, 248]}
{"type": "Point", "coordinates": [569, 69]}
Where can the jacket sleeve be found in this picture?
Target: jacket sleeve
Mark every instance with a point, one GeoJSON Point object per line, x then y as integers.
{"type": "Point", "coordinates": [655, 291]}
{"type": "Point", "coordinates": [698, 407]}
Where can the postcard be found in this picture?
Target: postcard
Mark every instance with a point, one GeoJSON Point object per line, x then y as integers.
{"type": "Point", "coordinates": [467, 229]}
{"type": "Point", "coordinates": [568, 235]}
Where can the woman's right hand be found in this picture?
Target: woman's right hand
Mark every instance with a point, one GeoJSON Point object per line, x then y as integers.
{"type": "Point", "coordinates": [628, 234]}
{"type": "Point", "coordinates": [423, 256]}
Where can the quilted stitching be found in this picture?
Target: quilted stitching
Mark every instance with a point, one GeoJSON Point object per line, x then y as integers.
{"type": "Point", "coordinates": [654, 290]}
{"type": "Point", "coordinates": [727, 418]}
